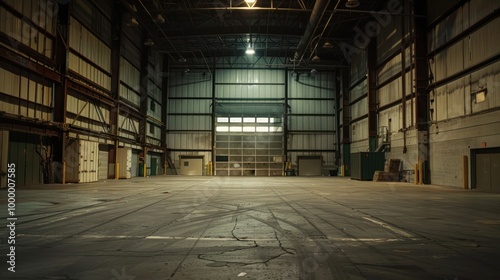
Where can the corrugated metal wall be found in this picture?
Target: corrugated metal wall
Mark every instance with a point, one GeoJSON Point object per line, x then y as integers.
{"type": "Point", "coordinates": [311, 99]}
{"type": "Point", "coordinates": [463, 51]}
{"type": "Point", "coordinates": [189, 119]}
{"type": "Point", "coordinates": [464, 62]}
{"type": "Point", "coordinates": [24, 95]}
{"type": "Point", "coordinates": [312, 119]}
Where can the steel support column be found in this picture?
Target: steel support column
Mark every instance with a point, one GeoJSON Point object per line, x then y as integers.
{"type": "Point", "coordinates": [61, 58]}
{"type": "Point", "coordinates": [346, 124]}
{"type": "Point", "coordinates": [115, 84]}
{"type": "Point", "coordinates": [421, 84]}
{"type": "Point", "coordinates": [372, 95]}
{"type": "Point", "coordinates": [164, 111]}
{"type": "Point", "coordinates": [143, 91]}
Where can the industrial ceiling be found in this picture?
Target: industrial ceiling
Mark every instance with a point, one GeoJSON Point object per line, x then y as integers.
{"type": "Point", "coordinates": [292, 33]}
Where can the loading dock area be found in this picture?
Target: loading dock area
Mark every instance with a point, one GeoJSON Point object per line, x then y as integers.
{"type": "Point", "coordinates": [200, 227]}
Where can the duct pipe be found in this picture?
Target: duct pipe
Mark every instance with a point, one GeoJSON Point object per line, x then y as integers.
{"type": "Point", "coordinates": [316, 15]}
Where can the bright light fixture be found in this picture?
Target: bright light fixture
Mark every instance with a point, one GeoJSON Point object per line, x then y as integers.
{"type": "Point", "coordinates": [250, 51]}
{"type": "Point", "coordinates": [251, 3]}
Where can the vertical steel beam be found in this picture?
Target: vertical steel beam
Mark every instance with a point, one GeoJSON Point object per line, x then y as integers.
{"type": "Point", "coordinates": [372, 94]}
{"type": "Point", "coordinates": [164, 111]}
{"type": "Point", "coordinates": [346, 124]}
{"type": "Point", "coordinates": [115, 81]}
{"type": "Point", "coordinates": [143, 91]}
{"type": "Point", "coordinates": [60, 99]}
{"type": "Point", "coordinates": [421, 83]}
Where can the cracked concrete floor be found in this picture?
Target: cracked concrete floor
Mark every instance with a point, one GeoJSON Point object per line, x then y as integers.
{"type": "Point", "coordinates": [173, 227]}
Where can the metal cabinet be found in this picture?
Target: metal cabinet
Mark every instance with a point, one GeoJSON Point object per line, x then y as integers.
{"type": "Point", "coordinates": [364, 164]}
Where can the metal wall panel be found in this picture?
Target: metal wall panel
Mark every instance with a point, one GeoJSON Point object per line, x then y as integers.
{"type": "Point", "coordinates": [33, 95]}
{"type": "Point", "coordinates": [359, 90]}
{"type": "Point", "coordinates": [389, 37]}
{"type": "Point", "coordinates": [191, 85]}
{"type": "Point", "coordinates": [43, 16]}
{"type": "Point", "coordinates": [359, 108]}
{"type": "Point", "coordinates": [359, 130]}
{"type": "Point", "coordinates": [187, 122]}
{"type": "Point", "coordinates": [83, 43]}
{"type": "Point", "coordinates": [312, 106]}
{"type": "Point", "coordinates": [128, 127]}
{"type": "Point", "coordinates": [390, 69]}
{"type": "Point", "coordinates": [103, 162]}
{"type": "Point", "coordinates": [390, 92]}
{"type": "Point", "coordinates": [484, 42]}
{"type": "Point", "coordinates": [188, 141]}
{"type": "Point", "coordinates": [130, 76]}
{"type": "Point", "coordinates": [481, 8]}
{"type": "Point", "coordinates": [249, 83]}
{"type": "Point", "coordinates": [311, 123]}
{"type": "Point", "coordinates": [190, 106]}
{"type": "Point", "coordinates": [250, 76]}
{"type": "Point", "coordinates": [84, 113]}
{"type": "Point", "coordinates": [311, 141]}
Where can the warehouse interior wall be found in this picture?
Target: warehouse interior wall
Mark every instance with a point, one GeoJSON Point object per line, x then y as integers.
{"type": "Point", "coordinates": [462, 88]}
{"type": "Point", "coordinates": [422, 88]}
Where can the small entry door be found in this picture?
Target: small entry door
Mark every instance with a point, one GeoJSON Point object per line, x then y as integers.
{"type": "Point", "coordinates": [486, 169]}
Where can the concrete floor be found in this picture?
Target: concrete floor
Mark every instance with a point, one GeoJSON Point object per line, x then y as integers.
{"type": "Point", "coordinates": [173, 227]}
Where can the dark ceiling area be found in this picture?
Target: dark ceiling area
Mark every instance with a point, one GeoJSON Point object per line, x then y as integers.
{"type": "Point", "coordinates": [301, 32]}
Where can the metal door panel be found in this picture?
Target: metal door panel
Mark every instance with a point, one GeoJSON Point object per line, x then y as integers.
{"type": "Point", "coordinates": [483, 175]}
{"type": "Point", "coordinates": [495, 172]}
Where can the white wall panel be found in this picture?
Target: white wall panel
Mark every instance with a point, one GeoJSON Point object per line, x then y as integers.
{"type": "Point", "coordinates": [484, 42]}
{"type": "Point", "coordinates": [189, 86]}
{"type": "Point", "coordinates": [190, 106]}
{"type": "Point", "coordinates": [311, 123]}
{"type": "Point", "coordinates": [359, 130]}
{"type": "Point", "coordinates": [189, 141]}
{"type": "Point", "coordinates": [189, 123]}
{"type": "Point", "coordinates": [83, 43]}
{"type": "Point", "coordinates": [253, 76]}
{"type": "Point", "coordinates": [312, 106]}
{"type": "Point", "coordinates": [322, 85]}
{"type": "Point", "coordinates": [390, 69]}
{"type": "Point", "coordinates": [359, 90]}
{"type": "Point", "coordinates": [359, 108]}
{"type": "Point", "coordinates": [249, 91]}
{"type": "Point", "coordinates": [481, 8]}
{"type": "Point", "coordinates": [311, 141]}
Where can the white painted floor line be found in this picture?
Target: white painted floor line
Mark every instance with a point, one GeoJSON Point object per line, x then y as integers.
{"type": "Point", "coordinates": [391, 228]}
{"type": "Point", "coordinates": [156, 237]}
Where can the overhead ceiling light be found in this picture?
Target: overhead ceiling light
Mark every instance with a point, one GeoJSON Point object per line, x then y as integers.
{"type": "Point", "coordinates": [132, 22]}
{"type": "Point", "coordinates": [251, 3]}
{"type": "Point", "coordinates": [327, 45]}
{"type": "Point", "coordinates": [314, 72]}
{"type": "Point", "coordinates": [149, 43]}
{"type": "Point", "coordinates": [316, 59]}
{"type": "Point", "coordinates": [159, 19]}
{"type": "Point", "coordinates": [352, 3]}
{"type": "Point", "coordinates": [182, 59]}
{"type": "Point", "coordinates": [250, 51]}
